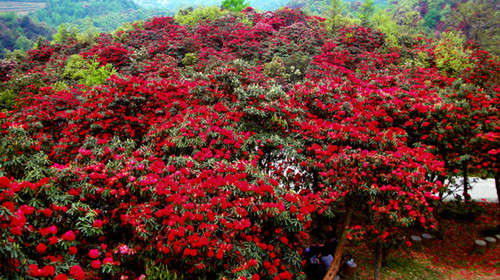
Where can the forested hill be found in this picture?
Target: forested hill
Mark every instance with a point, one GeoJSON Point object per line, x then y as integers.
{"type": "Point", "coordinates": [19, 33]}
{"type": "Point", "coordinates": [57, 12]}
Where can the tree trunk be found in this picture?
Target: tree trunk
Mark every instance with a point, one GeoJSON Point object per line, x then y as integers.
{"type": "Point", "coordinates": [466, 182]}
{"type": "Point", "coordinates": [335, 266]}
{"type": "Point", "coordinates": [379, 251]}
{"type": "Point", "coordinates": [385, 257]}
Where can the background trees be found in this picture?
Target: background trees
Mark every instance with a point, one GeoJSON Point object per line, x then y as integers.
{"type": "Point", "coordinates": [366, 11]}
{"type": "Point", "coordinates": [476, 21]}
{"type": "Point", "coordinates": [19, 33]}
{"type": "Point", "coordinates": [234, 5]}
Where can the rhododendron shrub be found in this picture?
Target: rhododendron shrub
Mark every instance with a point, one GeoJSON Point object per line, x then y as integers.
{"type": "Point", "coordinates": [6, 68]}
{"type": "Point", "coordinates": [214, 149]}
{"type": "Point", "coordinates": [136, 207]}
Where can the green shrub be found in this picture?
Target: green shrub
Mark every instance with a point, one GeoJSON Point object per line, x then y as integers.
{"type": "Point", "coordinates": [88, 73]}
{"type": "Point", "coordinates": [190, 59]}
{"type": "Point", "coordinates": [275, 68]}
{"type": "Point", "coordinates": [158, 271]}
{"type": "Point", "coordinates": [450, 56]}
{"type": "Point", "coordinates": [192, 16]}
{"type": "Point", "coordinates": [7, 99]}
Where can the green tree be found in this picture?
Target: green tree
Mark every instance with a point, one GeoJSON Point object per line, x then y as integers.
{"type": "Point", "coordinates": [366, 11]}
{"type": "Point", "coordinates": [383, 21]}
{"type": "Point", "coordinates": [191, 17]}
{"type": "Point", "coordinates": [412, 23]}
{"type": "Point", "coordinates": [23, 43]}
{"type": "Point", "coordinates": [334, 12]}
{"type": "Point", "coordinates": [478, 21]}
{"type": "Point", "coordinates": [64, 34]}
{"type": "Point", "coordinates": [450, 56]}
{"type": "Point", "coordinates": [432, 18]}
{"type": "Point", "coordinates": [234, 5]}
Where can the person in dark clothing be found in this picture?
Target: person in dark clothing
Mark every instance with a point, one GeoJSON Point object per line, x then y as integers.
{"type": "Point", "coordinates": [314, 265]}
{"type": "Point", "coordinates": [319, 257]}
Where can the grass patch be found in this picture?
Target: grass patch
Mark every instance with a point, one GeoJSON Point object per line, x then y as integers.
{"type": "Point", "coordinates": [408, 269]}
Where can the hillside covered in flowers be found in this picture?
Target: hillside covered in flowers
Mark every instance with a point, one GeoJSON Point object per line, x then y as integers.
{"type": "Point", "coordinates": [217, 149]}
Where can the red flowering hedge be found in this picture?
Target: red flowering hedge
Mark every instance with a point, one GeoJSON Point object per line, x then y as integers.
{"type": "Point", "coordinates": [196, 158]}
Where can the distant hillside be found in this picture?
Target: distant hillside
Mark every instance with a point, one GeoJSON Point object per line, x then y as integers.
{"type": "Point", "coordinates": [57, 12]}
{"type": "Point", "coordinates": [111, 21]}
{"type": "Point", "coordinates": [19, 33]}
{"type": "Point", "coordinates": [42, 17]}
{"type": "Point", "coordinates": [21, 7]}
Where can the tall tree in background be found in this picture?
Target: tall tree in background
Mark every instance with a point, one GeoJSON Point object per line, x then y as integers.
{"type": "Point", "coordinates": [334, 14]}
{"type": "Point", "coordinates": [366, 11]}
{"type": "Point", "coordinates": [234, 5]}
{"type": "Point", "coordinates": [478, 21]}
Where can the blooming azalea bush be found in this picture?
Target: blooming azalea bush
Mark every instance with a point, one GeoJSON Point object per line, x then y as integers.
{"type": "Point", "coordinates": [212, 150]}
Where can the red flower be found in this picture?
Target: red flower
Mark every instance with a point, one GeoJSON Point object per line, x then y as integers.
{"type": "Point", "coordinates": [8, 204]}
{"type": "Point", "coordinates": [94, 253]}
{"type": "Point", "coordinates": [16, 231]}
{"type": "Point", "coordinates": [97, 224]}
{"type": "Point", "coordinates": [68, 236]}
{"type": "Point", "coordinates": [72, 250]}
{"type": "Point", "coordinates": [41, 248]}
{"type": "Point", "coordinates": [48, 270]}
{"type": "Point", "coordinates": [61, 277]}
{"type": "Point", "coordinates": [53, 240]}
{"type": "Point", "coordinates": [284, 240]}
{"type": "Point", "coordinates": [47, 212]}
{"type": "Point", "coordinates": [77, 272]}
{"type": "Point", "coordinates": [96, 264]}
{"type": "Point", "coordinates": [18, 219]}
{"type": "Point", "coordinates": [4, 182]}
{"type": "Point", "coordinates": [27, 210]}
{"type": "Point", "coordinates": [53, 229]}
{"type": "Point", "coordinates": [33, 270]}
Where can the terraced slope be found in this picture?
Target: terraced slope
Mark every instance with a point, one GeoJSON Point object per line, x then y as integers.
{"type": "Point", "coordinates": [21, 7]}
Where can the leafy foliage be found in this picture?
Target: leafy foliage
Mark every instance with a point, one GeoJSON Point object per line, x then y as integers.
{"type": "Point", "coordinates": [234, 5]}
{"type": "Point", "coordinates": [88, 73]}
{"type": "Point", "coordinates": [192, 16]}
